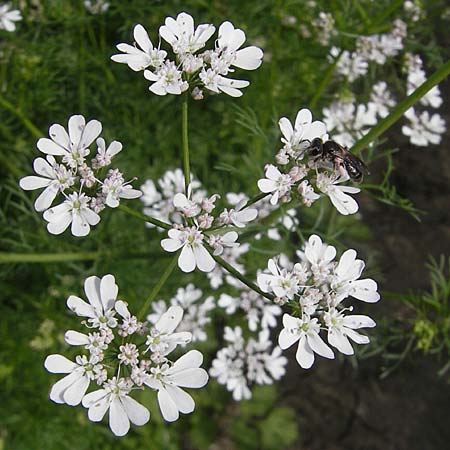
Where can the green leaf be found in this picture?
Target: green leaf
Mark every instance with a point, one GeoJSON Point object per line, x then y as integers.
{"type": "Point", "coordinates": [279, 429]}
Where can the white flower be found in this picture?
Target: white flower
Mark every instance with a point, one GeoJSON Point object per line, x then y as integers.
{"type": "Point", "coordinates": [317, 253]}
{"type": "Point", "coordinates": [53, 177]}
{"type": "Point", "coordinates": [346, 281]}
{"type": "Point", "coordinates": [76, 211]}
{"type": "Point", "coordinates": [166, 80]}
{"type": "Point", "coordinates": [105, 155]}
{"type": "Point", "coordinates": [306, 332]}
{"type": "Point", "coordinates": [217, 83]}
{"type": "Point", "coordinates": [187, 206]}
{"type": "Point", "coordinates": [229, 41]}
{"type": "Point", "coordinates": [341, 327]}
{"type": "Point", "coordinates": [423, 129]}
{"type": "Point", "coordinates": [73, 146]}
{"type": "Point", "coordinates": [8, 16]}
{"type": "Point", "coordinates": [304, 130]}
{"type": "Point", "coordinates": [72, 387]}
{"type": "Point", "coordinates": [351, 65]}
{"type": "Point", "coordinates": [101, 294]}
{"type": "Point", "coordinates": [218, 242]}
{"type": "Point", "coordinates": [239, 216]}
{"type": "Point", "coordinates": [329, 185]}
{"type": "Point", "coordinates": [96, 6]}
{"type": "Point", "coordinates": [122, 408]}
{"type": "Point", "coordinates": [162, 338]}
{"type": "Point", "coordinates": [382, 98]}
{"type": "Point", "coordinates": [276, 183]}
{"type": "Point", "coordinates": [307, 193]}
{"type": "Point", "coordinates": [282, 283]}
{"type": "Point", "coordinates": [182, 36]}
{"type": "Point", "coordinates": [114, 188]}
{"type": "Point", "coordinates": [193, 253]}
{"type": "Point", "coordinates": [168, 380]}
{"type": "Point", "coordinates": [129, 354]}
{"type": "Point", "coordinates": [143, 57]}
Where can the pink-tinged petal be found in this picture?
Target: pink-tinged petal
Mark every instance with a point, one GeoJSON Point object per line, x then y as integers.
{"type": "Point", "coordinates": [318, 346]}
{"type": "Point", "coordinates": [141, 37]}
{"type": "Point", "coordinates": [80, 307]}
{"type": "Point", "coordinates": [205, 262]}
{"type": "Point", "coordinates": [94, 397]}
{"type": "Point", "coordinates": [73, 337]}
{"type": "Point", "coordinates": [76, 126]}
{"type": "Point", "coordinates": [139, 415]}
{"type": "Point", "coordinates": [266, 186]}
{"type": "Point", "coordinates": [59, 134]}
{"type": "Point", "coordinates": [183, 401]}
{"type": "Point", "coordinates": [46, 197]}
{"type": "Point", "coordinates": [286, 128]}
{"type": "Point", "coordinates": [191, 359]}
{"type": "Point", "coordinates": [304, 355]}
{"type": "Point", "coordinates": [57, 391]}
{"type": "Point", "coordinates": [98, 409]}
{"type": "Point", "coordinates": [49, 147]}
{"type": "Point", "coordinates": [90, 133]}
{"type": "Point", "coordinates": [167, 406]}
{"type": "Point", "coordinates": [108, 291]}
{"type": "Point", "coordinates": [304, 117]}
{"type": "Point", "coordinates": [79, 227]}
{"type": "Point", "coordinates": [170, 320]}
{"type": "Point", "coordinates": [191, 378]}
{"type": "Point", "coordinates": [356, 321]}
{"type": "Point", "coordinates": [286, 339]}
{"type": "Point", "coordinates": [59, 364]}
{"type": "Point", "coordinates": [357, 337]}
{"type": "Point", "coordinates": [75, 393]}
{"type": "Point", "coordinates": [249, 58]}
{"type": "Point", "coordinates": [338, 340]}
{"type": "Point", "coordinates": [118, 419]}
{"type": "Point", "coordinates": [365, 290]}
{"type": "Point", "coordinates": [32, 182]}
{"type": "Point", "coordinates": [186, 260]}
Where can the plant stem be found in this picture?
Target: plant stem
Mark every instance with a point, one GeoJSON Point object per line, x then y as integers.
{"type": "Point", "coordinates": [185, 141]}
{"type": "Point", "coordinates": [402, 107]}
{"type": "Point", "coordinates": [148, 219]}
{"type": "Point", "coordinates": [256, 198]}
{"type": "Point", "coordinates": [158, 286]}
{"type": "Point", "coordinates": [241, 277]}
{"type": "Point", "coordinates": [6, 258]}
{"type": "Point", "coordinates": [25, 120]}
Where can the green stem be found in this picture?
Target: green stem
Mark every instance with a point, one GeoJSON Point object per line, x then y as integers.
{"type": "Point", "coordinates": [8, 258]}
{"type": "Point", "coordinates": [256, 198]}
{"type": "Point", "coordinates": [25, 120]}
{"type": "Point", "coordinates": [158, 286]}
{"type": "Point", "coordinates": [241, 277]}
{"type": "Point", "coordinates": [402, 107]}
{"type": "Point", "coordinates": [148, 219]}
{"type": "Point", "coordinates": [185, 141]}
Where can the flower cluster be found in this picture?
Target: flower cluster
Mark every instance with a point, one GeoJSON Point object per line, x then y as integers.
{"type": "Point", "coordinates": [188, 68]}
{"type": "Point", "coordinates": [87, 187]}
{"type": "Point", "coordinates": [315, 289]}
{"type": "Point", "coordinates": [201, 229]}
{"type": "Point", "coordinates": [244, 362]}
{"type": "Point", "coordinates": [196, 311]}
{"type": "Point", "coordinates": [124, 355]}
{"type": "Point", "coordinates": [295, 178]}
{"type": "Point", "coordinates": [96, 6]}
{"type": "Point", "coordinates": [8, 17]}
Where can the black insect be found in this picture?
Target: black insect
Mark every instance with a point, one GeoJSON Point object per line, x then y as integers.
{"type": "Point", "coordinates": [339, 156]}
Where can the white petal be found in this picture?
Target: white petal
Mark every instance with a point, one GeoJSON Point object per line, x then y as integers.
{"type": "Point", "coordinates": [190, 378]}
{"type": "Point", "coordinates": [73, 337]}
{"type": "Point", "coordinates": [139, 415]}
{"type": "Point", "coordinates": [171, 245]}
{"type": "Point", "coordinates": [80, 226]}
{"type": "Point", "coordinates": [141, 37]}
{"type": "Point", "coordinates": [249, 58]}
{"type": "Point", "coordinates": [118, 419]}
{"type": "Point", "coordinates": [183, 401]}
{"type": "Point", "coordinates": [191, 359]}
{"type": "Point", "coordinates": [76, 126]}
{"type": "Point", "coordinates": [286, 339]}
{"type": "Point", "coordinates": [49, 147]}
{"type": "Point", "coordinates": [170, 320]}
{"type": "Point", "coordinates": [342, 202]}
{"type": "Point", "coordinates": [80, 307]}
{"type": "Point", "coordinates": [33, 182]}
{"type": "Point", "coordinates": [356, 321]}
{"type": "Point", "coordinates": [180, 201]}
{"type": "Point", "coordinates": [114, 148]}
{"type": "Point", "coordinates": [304, 355]}
{"type": "Point", "coordinates": [167, 406]}
{"type": "Point", "coordinates": [356, 337]}
{"type": "Point", "coordinates": [266, 185]}
{"type": "Point", "coordinates": [59, 134]}
{"type": "Point", "coordinates": [74, 394]}
{"type": "Point", "coordinates": [365, 290]}
{"type": "Point", "coordinates": [318, 345]}
{"type": "Point", "coordinates": [92, 290]}
{"type": "Point", "coordinates": [338, 340]}
{"type": "Point", "coordinates": [58, 223]}
{"type": "Point", "coordinates": [45, 199]}
{"type": "Point", "coordinates": [304, 117]}
{"type": "Point", "coordinates": [122, 308]}
{"type": "Point", "coordinates": [349, 268]}
{"type": "Point", "coordinates": [94, 397]}
{"type": "Point", "coordinates": [59, 364]}
{"type": "Point", "coordinates": [316, 130]}
{"type": "Point", "coordinates": [186, 260]}
{"type": "Point", "coordinates": [108, 291]}
{"type": "Point", "coordinates": [57, 391]}
{"type": "Point", "coordinates": [97, 409]}
{"type": "Point", "coordinates": [205, 262]}
{"type": "Point", "coordinates": [286, 128]}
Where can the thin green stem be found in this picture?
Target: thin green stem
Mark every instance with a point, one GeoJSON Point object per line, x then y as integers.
{"type": "Point", "coordinates": [158, 286]}
{"type": "Point", "coordinates": [241, 277]}
{"type": "Point", "coordinates": [9, 258]}
{"type": "Point", "coordinates": [185, 141]}
{"type": "Point", "coordinates": [34, 130]}
{"type": "Point", "coordinates": [440, 74]}
{"type": "Point", "coordinates": [145, 218]}
{"type": "Point", "coordinates": [256, 198]}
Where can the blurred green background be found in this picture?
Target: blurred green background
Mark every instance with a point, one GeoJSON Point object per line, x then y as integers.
{"type": "Point", "coordinates": [58, 63]}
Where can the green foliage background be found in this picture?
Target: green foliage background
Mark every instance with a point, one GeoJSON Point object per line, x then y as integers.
{"type": "Point", "coordinates": [57, 64]}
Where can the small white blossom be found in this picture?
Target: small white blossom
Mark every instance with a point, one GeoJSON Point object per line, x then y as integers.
{"type": "Point", "coordinates": [8, 17]}
{"type": "Point", "coordinates": [339, 197]}
{"type": "Point", "coordinates": [166, 80]}
{"type": "Point", "coordinates": [276, 183]}
{"type": "Point", "coordinates": [96, 6]}
{"type": "Point", "coordinates": [423, 129]}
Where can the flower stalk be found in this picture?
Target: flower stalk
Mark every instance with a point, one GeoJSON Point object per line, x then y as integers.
{"type": "Point", "coordinates": [185, 141]}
